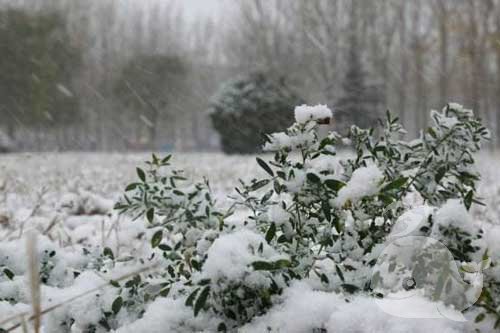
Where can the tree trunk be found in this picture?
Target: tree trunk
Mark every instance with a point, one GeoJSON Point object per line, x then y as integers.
{"type": "Point", "coordinates": [497, 106]}
{"type": "Point", "coordinates": [404, 62]}
{"type": "Point", "coordinates": [443, 52]}
{"type": "Point", "coordinates": [418, 53]}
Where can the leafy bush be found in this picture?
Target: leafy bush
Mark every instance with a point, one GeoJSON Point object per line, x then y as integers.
{"type": "Point", "coordinates": [313, 218]}
{"type": "Point", "coordinates": [248, 107]}
{"type": "Point", "coordinates": [388, 218]}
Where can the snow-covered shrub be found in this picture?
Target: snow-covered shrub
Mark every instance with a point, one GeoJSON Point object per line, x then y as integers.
{"type": "Point", "coordinates": [326, 221]}
{"type": "Point", "coordinates": [238, 269]}
{"type": "Point", "coordinates": [246, 108]}
{"type": "Point", "coordinates": [322, 220]}
{"type": "Point", "coordinates": [183, 216]}
{"type": "Point", "coordinates": [333, 224]}
{"type": "Point", "coordinates": [345, 232]}
{"type": "Point", "coordinates": [223, 273]}
{"type": "Point", "coordinates": [439, 165]}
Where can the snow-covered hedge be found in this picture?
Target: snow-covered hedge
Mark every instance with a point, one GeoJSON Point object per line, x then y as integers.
{"type": "Point", "coordinates": [318, 240]}
{"type": "Point", "coordinates": [247, 107]}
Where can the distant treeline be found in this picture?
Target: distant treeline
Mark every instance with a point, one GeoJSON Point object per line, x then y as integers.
{"type": "Point", "coordinates": [115, 75]}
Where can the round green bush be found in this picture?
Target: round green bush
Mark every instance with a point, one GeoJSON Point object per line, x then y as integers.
{"type": "Point", "coordinates": [247, 108]}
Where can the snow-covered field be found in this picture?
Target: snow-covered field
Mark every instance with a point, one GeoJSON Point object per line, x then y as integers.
{"type": "Point", "coordinates": [69, 198]}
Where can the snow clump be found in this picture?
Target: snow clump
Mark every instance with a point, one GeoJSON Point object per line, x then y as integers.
{"type": "Point", "coordinates": [305, 113]}
{"type": "Point", "coordinates": [364, 182]}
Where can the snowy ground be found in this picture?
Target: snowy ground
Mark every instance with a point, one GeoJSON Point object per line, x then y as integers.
{"type": "Point", "coordinates": [107, 174]}
{"type": "Point", "coordinates": [26, 180]}
{"type": "Point", "coordinates": [69, 198]}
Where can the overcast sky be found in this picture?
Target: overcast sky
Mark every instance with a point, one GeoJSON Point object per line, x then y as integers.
{"type": "Point", "coordinates": [202, 8]}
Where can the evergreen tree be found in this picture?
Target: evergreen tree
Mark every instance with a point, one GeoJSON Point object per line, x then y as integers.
{"type": "Point", "coordinates": [247, 108]}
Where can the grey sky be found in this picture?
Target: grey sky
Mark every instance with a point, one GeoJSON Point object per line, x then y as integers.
{"type": "Point", "coordinates": [201, 8]}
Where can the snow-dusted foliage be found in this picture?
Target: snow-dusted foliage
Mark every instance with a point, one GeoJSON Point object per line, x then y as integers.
{"type": "Point", "coordinates": [249, 106]}
{"type": "Point", "coordinates": [317, 243]}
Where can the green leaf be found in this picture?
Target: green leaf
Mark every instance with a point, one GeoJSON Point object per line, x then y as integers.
{"type": "Point", "coordinates": [131, 187]}
{"type": "Point", "coordinates": [202, 299]}
{"type": "Point", "coordinates": [261, 247]}
{"type": "Point", "coordinates": [222, 327]}
{"type": "Point", "coordinates": [339, 273]}
{"type": "Point", "coordinates": [164, 292]}
{"type": "Point", "coordinates": [281, 174]}
{"type": "Point", "coordinates": [441, 172]}
{"type": "Point", "coordinates": [150, 215]}
{"type": "Point", "coordinates": [171, 271]}
{"type": "Point", "coordinates": [271, 232]}
{"type": "Point", "coordinates": [164, 247]}
{"type": "Point", "coordinates": [114, 283]}
{"type": "Point", "coordinates": [325, 142]}
{"type": "Point", "coordinates": [469, 199]}
{"type": "Point", "coordinates": [386, 199]}
{"type": "Point", "coordinates": [157, 238]}
{"type": "Point", "coordinates": [108, 253]}
{"type": "Point", "coordinates": [141, 174]}
{"type": "Point", "coordinates": [271, 266]}
{"type": "Point", "coordinates": [388, 116]}
{"type": "Point", "coordinates": [204, 282]}
{"type": "Point", "coordinates": [230, 314]}
{"type": "Point", "coordinates": [257, 185]}
{"type": "Point", "coordinates": [282, 263]}
{"type": "Point", "coordinates": [313, 178]}
{"type": "Point", "coordinates": [262, 266]}
{"type": "Point", "coordinates": [277, 187]}
{"type": "Point", "coordinates": [191, 297]}
{"type": "Point", "coordinates": [117, 305]}
{"type": "Point", "coordinates": [334, 184]}
{"type": "Point", "coordinates": [166, 159]}
{"type": "Point", "coordinates": [350, 288]}
{"type": "Point", "coordinates": [104, 323]}
{"type": "Point", "coordinates": [432, 133]}
{"type": "Point", "coordinates": [266, 197]}
{"type": "Point", "coordinates": [480, 317]}
{"type": "Point", "coordinates": [396, 184]}
{"type": "Point", "coordinates": [196, 265]}
{"type": "Point", "coordinates": [8, 273]}
{"type": "Point", "coordinates": [283, 239]}
{"type": "Point", "coordinates": [265, 166]}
